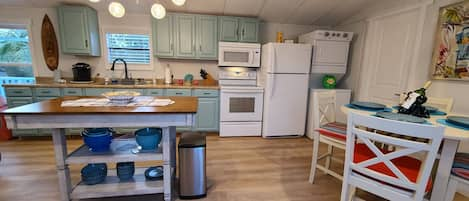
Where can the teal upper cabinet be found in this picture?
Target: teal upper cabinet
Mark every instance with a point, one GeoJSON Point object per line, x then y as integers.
{"type": "Point", "coordinates": [207, 37]}
{"type": "Point", "coordinates": [184, 33]}
{"type": "Point", "coordinates": [186, 36]}
{"type": "Point", "coordinates": [238, 29]}
{"type": "Point", "coordinates": [228, 28]}
{"type": "Point", "coordinates": [163, 42]}
{"type": "Point", "coordinates": [79, 32]}
{"type": "Point", "coordinates": [249, 30]}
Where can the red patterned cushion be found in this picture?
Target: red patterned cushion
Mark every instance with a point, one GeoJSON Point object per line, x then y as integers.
{"type": "Point", "coordinates": [407, 165]}
{"type": "Point", "coordinates": [335, 130]}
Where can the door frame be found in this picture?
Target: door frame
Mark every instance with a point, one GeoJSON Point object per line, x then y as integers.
{"type": "Point", "coordinates": [370, 25]}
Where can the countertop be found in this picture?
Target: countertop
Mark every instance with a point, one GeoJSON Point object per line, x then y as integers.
{"type": "Point", "coordinates": [53, 106]}
{"type": "Point", "coordinates": [99, 83]}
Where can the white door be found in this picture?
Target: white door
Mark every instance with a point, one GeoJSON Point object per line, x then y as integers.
{"type": "Point", "coordinates": [330, 53]}
{"type": "Point", "coordinates": [390, 54]}
{"type": "Point", "coordinates": [285, 99]}
{"type": "Point", "coordinates": [286, 58]}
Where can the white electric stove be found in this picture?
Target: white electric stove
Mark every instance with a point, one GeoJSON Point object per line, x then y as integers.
{"type": "Point", "coordinates": [241, 102]}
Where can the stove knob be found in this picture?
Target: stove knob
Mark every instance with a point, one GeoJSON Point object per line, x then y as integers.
{"type": "Point", "coordinates": [333, 34]}
{"type": "Point", "coordinates": [345, 35]}
{"type": "Point", "coordinates": [326, 34]}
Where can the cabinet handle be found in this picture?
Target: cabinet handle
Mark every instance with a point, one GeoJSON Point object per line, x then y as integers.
{"type": "Point", "coordinates": [207, 93]}
{"type": "Point", "coordinates": [200, 48]}
{"type": "Point", "coordinates": [72, 92]}
{"type": "Point", "coordinates": [17, 92]}
{"type": "Point", "coordinates": [242, 32]}
{"type": "Point", "coordinates": [46, 92]}
{"type": "Point", "coordinates": [86, 43]}
{"type": "Point", "coordinates": [179, 93]}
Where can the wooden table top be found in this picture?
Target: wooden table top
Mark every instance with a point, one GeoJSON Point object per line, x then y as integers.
{"type": "Point", "coordinates": [183, 104]}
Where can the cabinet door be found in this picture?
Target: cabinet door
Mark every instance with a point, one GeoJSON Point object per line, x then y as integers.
{"type": "Point", "coordinates": [228, 29]}
{"type": "Point", "coordinates": [163, 44]}
{"type": "Point", "coordinates": [73, 28]}
{"type": "Point", "coordinates": [96, 91]}
{"type": "Point", "coordinates": [178, 92]}
{"type": "Point", "coordinates": [18, 101]}
{"type": "Point", "coordinates": [249, 28]}
{"type": "Point", "coordinates": [185, 36]}
{"type": "Point", "coordinates": [207, 37]}
{"type": "Point", "coordinates": [206, 118]}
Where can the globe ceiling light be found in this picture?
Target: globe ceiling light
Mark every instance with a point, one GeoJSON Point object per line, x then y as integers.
{"type": "Point", "coordinates": [116, 9]}
{"type": "Point", "coordinates": [158, 11]}
{"type": "Point", "coordinates": [94, 1]}
{"type": "Point", "coordinates": [179, 2]}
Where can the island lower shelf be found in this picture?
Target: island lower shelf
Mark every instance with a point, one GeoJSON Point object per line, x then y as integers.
{"type": "Point", "coordinates": [112, 186]}
{"type": "Point", "coordinates": [121, 151]}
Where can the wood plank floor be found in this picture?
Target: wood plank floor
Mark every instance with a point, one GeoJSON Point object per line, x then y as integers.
{"type": "Point", "coordinates": [238, 169]}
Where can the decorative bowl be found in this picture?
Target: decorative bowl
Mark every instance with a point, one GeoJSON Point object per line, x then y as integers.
{"type": "Point", "coordinates": [97, 142]}
{"type": "Point", "coordinates": [154, 173]}
{"type": "Point", "coordinates": [121, 97]}
{"type": "Point", "coordinates": [148, 138]}
{"type": "Point", "coordinates": [125, 170]}
{"type": "Point", "coordinates": [94, 173]}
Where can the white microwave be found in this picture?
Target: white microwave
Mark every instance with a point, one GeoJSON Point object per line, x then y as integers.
{"type": "Point", "coordinates": [239, 54]}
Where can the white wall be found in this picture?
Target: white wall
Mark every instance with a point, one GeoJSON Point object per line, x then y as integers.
{"type": "Point", "coordinates": [456, 89]}
{"type": "Point", "coordinates": [141, 23]}
{"type": "Point", "coordinates": [358, 24]}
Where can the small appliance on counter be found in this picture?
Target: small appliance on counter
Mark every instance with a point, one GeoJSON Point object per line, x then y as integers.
{"type": "Point", "coordinates": [168, 76]}
{"type": "Point", "coordinates": [81, 73]}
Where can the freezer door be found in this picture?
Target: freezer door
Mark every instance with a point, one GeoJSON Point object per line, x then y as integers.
{"type": "Point", "coordinates": [286, 58]}
{"type": "Point", "coordinates": [285, 104]}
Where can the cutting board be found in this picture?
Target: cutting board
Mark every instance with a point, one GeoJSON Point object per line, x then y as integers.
{"type": "Point", "coordinates": [50, 48]}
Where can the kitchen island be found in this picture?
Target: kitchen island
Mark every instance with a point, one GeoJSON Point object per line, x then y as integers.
{"type": "Point", "coordinates": [50, 114]}
{"type": "Point", "coordinates": [206, 120]}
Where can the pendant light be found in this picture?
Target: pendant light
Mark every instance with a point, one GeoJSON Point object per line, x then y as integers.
{"type": "Point", "coordinates": [116, 9]}
{"type": "Point", "coordinates": [94, 1]}
{"type": "Point", "coordinates": [158, 11]}
{"type": "Point", "coordinates": [179, 2]}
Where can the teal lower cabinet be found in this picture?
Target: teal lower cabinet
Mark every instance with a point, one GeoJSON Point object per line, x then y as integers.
{"type": "Point", "coordinates": [178, 92]}
{"type": "Point", "coordinates": [19, 101]}
{"type": "Point", "coordinates": [96, 91]}
{"type": "Point", "coordinates": [207, 117]}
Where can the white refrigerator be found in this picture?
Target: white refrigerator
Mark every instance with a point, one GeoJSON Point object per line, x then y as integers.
{"type": "Point", "coordinates": [284, 74]}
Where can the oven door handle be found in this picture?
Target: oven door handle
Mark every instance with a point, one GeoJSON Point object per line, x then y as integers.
{"type": "Point", "coordinates": [239, 91]}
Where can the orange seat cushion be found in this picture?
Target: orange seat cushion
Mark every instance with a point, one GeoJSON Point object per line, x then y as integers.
{"type": "Point", "coordinates": [409, 166]}
{"type": "Point", "coordinates": [335, 130]}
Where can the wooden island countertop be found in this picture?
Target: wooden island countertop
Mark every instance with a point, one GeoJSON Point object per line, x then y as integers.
{"type": "Point", "coordinates": [183, 104]}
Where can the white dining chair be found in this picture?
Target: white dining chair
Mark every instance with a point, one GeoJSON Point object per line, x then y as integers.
{"type": "Point", "coordinates": [393, 175]}
{"type": "Point", "coordinates": [453, 185]}
{"type": "Point", "coordinates": [327, 131]}
{"type": "Point", "coordinates": [444, 104]}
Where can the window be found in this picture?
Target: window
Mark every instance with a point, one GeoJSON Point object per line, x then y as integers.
{"type": "Point", "coordinates": [15, 56]}
{"type": "Point", "coordinates": [133, 48]}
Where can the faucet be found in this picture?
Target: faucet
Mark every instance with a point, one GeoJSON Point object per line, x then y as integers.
{"type": "Point", "coordinates": [125, 67]}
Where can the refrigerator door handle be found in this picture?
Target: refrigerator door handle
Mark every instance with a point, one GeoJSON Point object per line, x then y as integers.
{"type": "Point", "coordinates": [272, 89]}
{"type": "Point", "coordinates": [274, 59]}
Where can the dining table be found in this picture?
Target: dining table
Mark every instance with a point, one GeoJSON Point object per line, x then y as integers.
{"type": "Point", "coordinates": [452, 138]}
{"type": "Point", "coordinates": [52, 114]}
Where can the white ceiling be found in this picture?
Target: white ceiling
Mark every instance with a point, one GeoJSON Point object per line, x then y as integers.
{"type": "Point", "coordinates": [307, 12]}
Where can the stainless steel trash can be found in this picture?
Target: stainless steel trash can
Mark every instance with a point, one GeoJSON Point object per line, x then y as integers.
{"type": "Point", "coordinates": [192, 173]}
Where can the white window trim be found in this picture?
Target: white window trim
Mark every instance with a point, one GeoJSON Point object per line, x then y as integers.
{"type": "Point", "coordinates": [126, 30]}
{"type": "Point", "coordinates": [22, 23]}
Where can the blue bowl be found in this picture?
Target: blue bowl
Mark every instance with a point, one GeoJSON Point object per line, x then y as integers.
{"type": "Point", "coordinates": [93, 173]}
{"type": "Point", "coordinates": [125, 170]}
{"type": "Point", "coordinates": [148, 138]}
{"type": "Point", "coordinates": [98, 143]}
{"type": "Point", "coordinates": [97, 131]}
